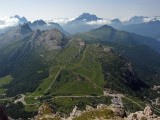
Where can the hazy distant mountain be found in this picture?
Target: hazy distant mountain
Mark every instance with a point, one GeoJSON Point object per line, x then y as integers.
{"type": "Point", "coordinates": [150, 29]}
{"type": "Point", "coordinates": [22, 20]}
{"type": "Point", "coordinates": [79, 24]}
{"type": "Point", "coordinates": [86, 22]}
{"type": "Point", "coordinates": [136, 20]}
{"type": "Point", "coordinates": [82, 23]}
{"type": "Point", "coordinates": [87, 17]}
{"type": "Point", "coordinates": [116, 23]}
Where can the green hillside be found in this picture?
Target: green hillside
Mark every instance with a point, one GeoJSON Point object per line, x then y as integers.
{"type": "Point", "coordinates": [141, 52]}
{"type": "Point", "coordinates": [107, 34]}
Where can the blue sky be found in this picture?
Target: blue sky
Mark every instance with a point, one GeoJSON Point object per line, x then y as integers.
{"type": "Point", "coordinates": [48, 9]}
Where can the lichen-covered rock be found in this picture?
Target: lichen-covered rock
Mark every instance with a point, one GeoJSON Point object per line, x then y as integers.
{"type": "Point", "coordinates": [45, 112]}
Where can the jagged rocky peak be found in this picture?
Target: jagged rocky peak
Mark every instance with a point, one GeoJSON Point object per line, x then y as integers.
{"type": "Point", "coordinates": [87, 17]}
{"type": "Point", "coordinates": [39, 23]}
{"type": "Point", "coordinates": [22, 20]}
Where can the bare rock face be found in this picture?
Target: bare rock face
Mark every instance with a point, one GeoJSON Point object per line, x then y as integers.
{"type": "Point", "coordinates": [147, 114]}
{"type": "Point", "coordinates": [148, 111]}
{"type": "Point", "coordinates": [75, 112]}
{"type": "Point", "coordinates": [119, 112]}
{"type": "Point", "coordinates": [158, 101]}
{"type": "Point", "coordinates": [136, 116]}
{"type": "Point", "coordinates": [101, 106]}
{"type": "Point", "coordinates": [45, 109]}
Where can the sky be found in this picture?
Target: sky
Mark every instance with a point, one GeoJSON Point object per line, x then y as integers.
{"type": "Point", "coordinates": [48, 9]}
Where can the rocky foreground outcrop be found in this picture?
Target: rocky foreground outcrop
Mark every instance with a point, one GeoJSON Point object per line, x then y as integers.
{"type": "Point", "coordinates": [45, 112]}
{"type": "Point", "coordinates": [147, 114]}
{"type": "Point", "coordinates": [101, 112]}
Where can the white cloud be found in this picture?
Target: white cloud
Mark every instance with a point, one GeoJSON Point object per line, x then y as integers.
{"type": "Point", "coordinates": [99, 22]}
{"type": "Point", "coordinates": [149, 19]}
{"type": "Point", "coordinates": [8, 22]}
{"type": "Point", "coordinates": [61, 21]}
{"type": "Point", "coordinates": [124, 19]}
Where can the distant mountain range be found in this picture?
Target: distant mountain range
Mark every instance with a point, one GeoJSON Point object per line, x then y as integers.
{"type": "Point", "coordinates": [149, 29]}
{"type": "Point", "coordinates": [38, 24]}
{"type": "Point", "coordinates": [141, 25]}
{"type": "Point", "coordinates": [137, 24]}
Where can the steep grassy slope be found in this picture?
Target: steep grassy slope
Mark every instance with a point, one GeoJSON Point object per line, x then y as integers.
{"type": "Point", "coordinates": [145, 60]}
{"type": "Point", "coordinates": [95, 68]}
{"type": "Point", "coordinates": [78, 68]}
{"type": "Point", "coordinates": [69, 83]}
{"type": "Point", "coordinates": [119, 73]}
{"type": "Point", "coordinates": [4, 81]}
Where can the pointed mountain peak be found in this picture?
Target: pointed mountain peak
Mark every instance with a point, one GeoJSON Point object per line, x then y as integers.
{"type": "Point", "coordinates": [39, 23]}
